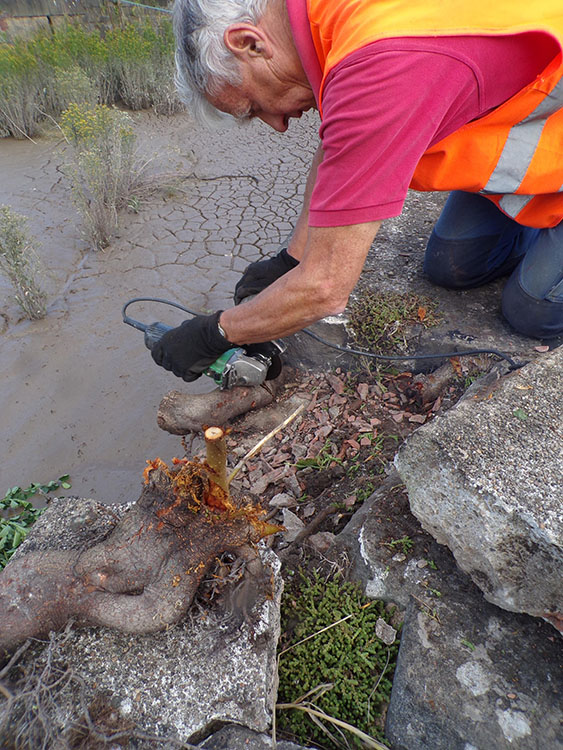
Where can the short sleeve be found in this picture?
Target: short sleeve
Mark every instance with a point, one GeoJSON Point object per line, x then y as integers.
{"type": "Point", "coordinates": [382, 108]}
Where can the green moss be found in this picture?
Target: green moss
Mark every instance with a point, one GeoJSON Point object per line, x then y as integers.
{"type": "Point", "coordinates": [349, 656]}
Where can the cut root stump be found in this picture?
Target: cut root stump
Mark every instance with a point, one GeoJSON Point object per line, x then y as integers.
{"type": "Point", "coordinates": [143, 576]}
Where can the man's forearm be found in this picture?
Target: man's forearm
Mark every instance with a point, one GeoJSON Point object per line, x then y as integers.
{"type": "Point", "coordinates": [319, 286]}
{"type": "Point", "coordinates": [298, 239]}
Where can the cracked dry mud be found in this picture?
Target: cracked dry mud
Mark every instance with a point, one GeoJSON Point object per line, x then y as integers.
{"type": "Point", "coordinates": [79, 390]}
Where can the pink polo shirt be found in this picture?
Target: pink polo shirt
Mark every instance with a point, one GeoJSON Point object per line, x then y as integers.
{"type": "Point", "coordinates": [387, 103]}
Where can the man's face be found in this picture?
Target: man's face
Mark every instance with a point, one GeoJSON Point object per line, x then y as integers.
{"type": "Point", "coordinates": [266, 93]}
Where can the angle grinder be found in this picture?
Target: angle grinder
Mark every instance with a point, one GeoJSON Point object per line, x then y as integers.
{"type": "Point", "coordinates": [250, 365]}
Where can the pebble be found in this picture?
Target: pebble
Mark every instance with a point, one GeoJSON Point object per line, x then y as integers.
{"type": "Point", "coordinates": [282, 500]}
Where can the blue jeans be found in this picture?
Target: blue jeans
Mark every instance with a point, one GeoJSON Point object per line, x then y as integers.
{"type": "Point", "coordinates": [473, 243]}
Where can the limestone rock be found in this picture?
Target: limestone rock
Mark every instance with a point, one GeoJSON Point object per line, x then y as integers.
{"type": "Point", "coordinates": [486, 480]}
{"type": "Point", "coordinates": [180, 683]}
{"type": "Point", "coordinates": [234, 737]}
{"type": "Point", "coordinates": [471, 676]}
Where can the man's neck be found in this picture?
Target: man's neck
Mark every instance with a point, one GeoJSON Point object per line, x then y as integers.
{"type": "Point", "coordinates": [275, 22]}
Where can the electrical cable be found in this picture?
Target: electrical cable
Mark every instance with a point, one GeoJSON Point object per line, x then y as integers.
{"type": "Point", "coordinates": [405, 357]}
{"type": "Point", "coordinates": [349, 350]}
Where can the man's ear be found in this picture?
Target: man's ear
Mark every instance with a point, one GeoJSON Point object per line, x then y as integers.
{"type": "Point", "coordinates": [246, 40]}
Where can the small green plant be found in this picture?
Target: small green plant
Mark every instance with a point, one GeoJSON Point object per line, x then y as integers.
{"type": "Point", "coordinates": [468, 644]}
{"type": "Point", "coordinates": [104, 171]}
{"type": "Point", "coordinates": [382, 322]}
{"type": "Point", "coordinates": [405, 543]}
{"type": "Point", "coordinates": [19, 263]}
{"type": "Point", "coordinates": [17, 514]}
{"type": "Point", "coordinates": [332, 657]}
{"type": "Point", "coordinates": [363, 493]}
{"type": "Point", "coordinates": [324, 458]}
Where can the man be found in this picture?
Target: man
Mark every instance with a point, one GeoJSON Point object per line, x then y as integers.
{"type": "Point", "coordinates": [457, 96]}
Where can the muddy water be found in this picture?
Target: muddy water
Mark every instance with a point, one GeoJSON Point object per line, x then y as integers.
{"type": "Point", "coordinates": [79, 391]}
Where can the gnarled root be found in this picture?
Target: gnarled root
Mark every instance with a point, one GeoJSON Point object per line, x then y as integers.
{"type": "Point", "coordinates": [143, 576]}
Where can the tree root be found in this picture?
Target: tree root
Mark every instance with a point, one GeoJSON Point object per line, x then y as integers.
{"type": "Point", "coordinates": [143, 576]}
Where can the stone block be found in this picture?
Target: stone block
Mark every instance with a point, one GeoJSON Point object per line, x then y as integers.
{"type": "Point", "coordinates": [486, 480]}
{"type": "Point", "coordinates": [471, 676]}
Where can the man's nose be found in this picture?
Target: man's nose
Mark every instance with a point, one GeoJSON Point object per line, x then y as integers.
{"type": "Point", "coordinates": [277, 122]}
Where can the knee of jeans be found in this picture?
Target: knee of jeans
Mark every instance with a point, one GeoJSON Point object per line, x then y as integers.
{"type": "Point", "coordinates": [445, 263]}
{"type": "Point", "coordinates": [529, 315]}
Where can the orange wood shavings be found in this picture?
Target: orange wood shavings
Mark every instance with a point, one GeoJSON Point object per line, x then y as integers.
{"type": "Point", "coordinates": [156, 463]}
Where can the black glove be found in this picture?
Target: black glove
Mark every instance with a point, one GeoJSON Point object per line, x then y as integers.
{"type": "Point", "coordinates": [190, 348]}
{"type": "Point", "coordinates": [262, 273]}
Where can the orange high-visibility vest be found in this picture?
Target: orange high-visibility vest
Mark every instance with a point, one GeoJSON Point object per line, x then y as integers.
{"type": "Point", "coordinates": [514, 154]}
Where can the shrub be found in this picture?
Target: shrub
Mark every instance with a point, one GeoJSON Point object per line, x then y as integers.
{"type": "Point", "coordinates": [103, 170]}
{"type": "Point", "coordinates": [142, 56]}
{"type": "Point", "coordinates": [20, 91]}
{"type": "Point", "coordinates": [18, 262]}
{"type": "Point", "coordinates": [43, 75]}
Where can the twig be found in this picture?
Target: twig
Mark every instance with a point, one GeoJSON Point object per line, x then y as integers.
{"type": "Point", "coordinates": [369, 741]}
{"type": "Point", "coordinates": [431, 612]}
{"type": "Point", "coordinates": [378, 681]}
{"type": "Point", "coordinates": [260, 443]}
{"type": "Point", "coordinates": [193, 176]}
{"type": "Point", "coordinates": [15, 658]}
{"type": "Point", "coordinates": [314, 525]}
{"type": "Point", "coordinates": [318, 632]}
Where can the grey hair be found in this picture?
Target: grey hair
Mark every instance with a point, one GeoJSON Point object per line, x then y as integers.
{"type": "Point", "coordinates": [203, 62]}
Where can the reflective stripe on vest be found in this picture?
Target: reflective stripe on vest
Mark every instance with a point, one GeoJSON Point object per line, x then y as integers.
{"type": "Point", "coordinates": [521, 145]}
{"type": "Point", "coordinates": [513, 154]}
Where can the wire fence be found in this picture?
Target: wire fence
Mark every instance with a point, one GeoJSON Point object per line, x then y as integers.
{"type": "Point", "coordinates": [141, 5]}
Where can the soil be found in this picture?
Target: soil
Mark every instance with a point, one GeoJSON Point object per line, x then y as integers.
{"type": "Point", "coordinates": [79, 390]}
{"type": "Point", "coordinates": [331, 458]}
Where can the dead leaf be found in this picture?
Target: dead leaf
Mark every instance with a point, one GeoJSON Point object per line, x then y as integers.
{"type": "Point", "coordinates": [456, 365]}
{"type": "Point", "coordinates": [437, 404]}
{"type": "Point", "coordinates": [398, 416]}
{"type": "Point", "coordinates": [363, 390]}
{"type": "Point", "coordinates": [421, 313]}
{"type": "Point", "coordinates": [349, 501]}
{"type": "Point", "coordinates": [336, 384]}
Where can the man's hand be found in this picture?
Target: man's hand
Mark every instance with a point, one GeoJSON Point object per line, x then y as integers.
{"type": "Point", "coordinates": [262, 273]}
{"type": "Point", "coordinates": [189, 349]}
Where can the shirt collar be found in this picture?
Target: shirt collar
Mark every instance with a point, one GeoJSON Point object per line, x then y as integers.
{"type": "Point", "coordinates": [301, 31]}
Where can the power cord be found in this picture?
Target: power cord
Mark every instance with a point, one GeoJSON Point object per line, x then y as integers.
{"type": "Point", "coordinates": [349, 350]}
{"type": "Point", "coordinates": [407, 357]}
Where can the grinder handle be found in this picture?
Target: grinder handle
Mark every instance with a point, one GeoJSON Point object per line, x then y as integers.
{"type": "Point", "coordinates": [154, 332]}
